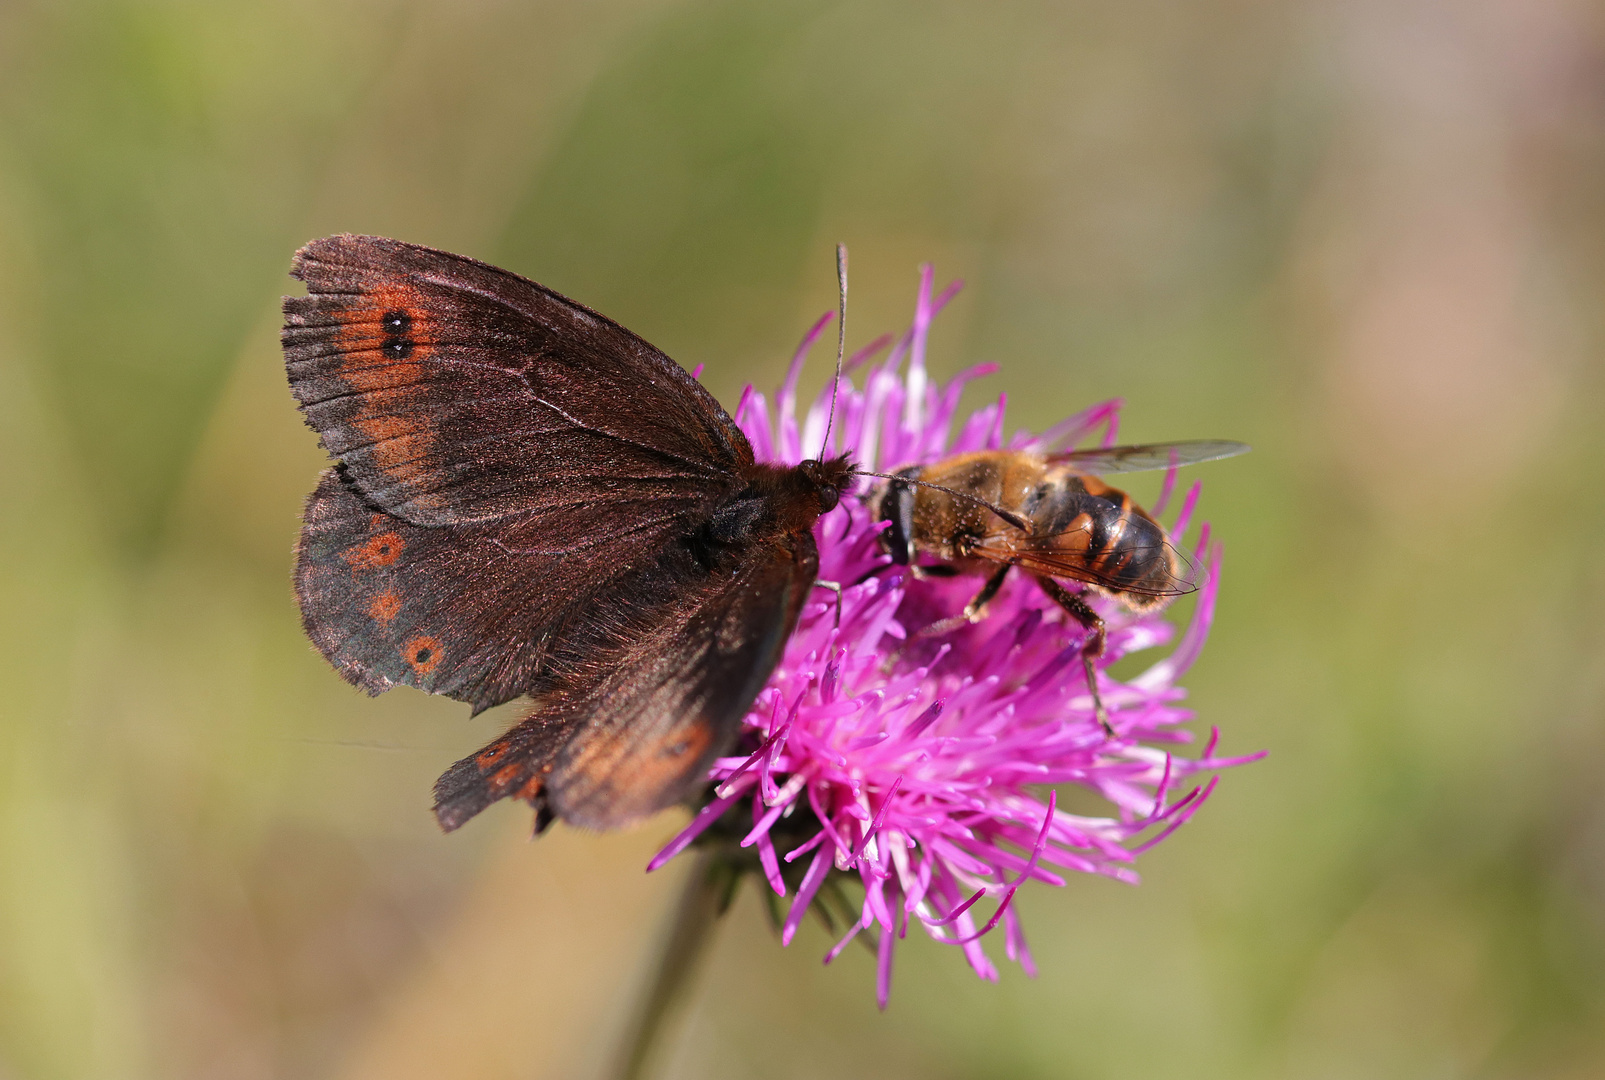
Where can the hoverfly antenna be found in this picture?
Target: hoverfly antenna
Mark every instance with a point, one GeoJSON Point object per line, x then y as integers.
{"type": "Point", "coordinates": [841, 344]}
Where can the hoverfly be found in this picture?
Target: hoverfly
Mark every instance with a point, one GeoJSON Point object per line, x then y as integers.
{"type": "Point", "coordinates": [990, 511]}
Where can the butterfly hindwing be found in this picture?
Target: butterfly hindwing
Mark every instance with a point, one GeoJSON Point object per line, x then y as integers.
{"type": "Point", "coordinates": [615, 742]}
{"type": "Point", "coordinates": [471, 611]}
{"type": "Point", "coordinates": [455, 392]}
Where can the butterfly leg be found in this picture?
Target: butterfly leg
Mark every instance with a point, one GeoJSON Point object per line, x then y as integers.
{"type": "Point", "coordinates": [835, 587]}
{"type": "Point", "coordinates": [1091, 649]}
{"type": "Point", "coordinates": [975, 610]}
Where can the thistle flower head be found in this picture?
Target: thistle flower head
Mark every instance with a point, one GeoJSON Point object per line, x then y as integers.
{"type": "Point", "coordinates": [928, 767]}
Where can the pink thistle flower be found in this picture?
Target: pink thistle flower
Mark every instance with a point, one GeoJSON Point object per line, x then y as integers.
{"type": "Point", "coordinates": [925, 769]}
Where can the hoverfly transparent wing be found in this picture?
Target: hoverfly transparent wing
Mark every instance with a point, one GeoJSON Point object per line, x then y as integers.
{"type": "Point", "coordinates": [1179, 577]}
{"type": "Point", "coordinates": [1126, 459]}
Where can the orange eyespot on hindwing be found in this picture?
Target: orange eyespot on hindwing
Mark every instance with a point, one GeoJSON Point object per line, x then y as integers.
{"type": "Point", "coordinates": [422, 654]}
{"type": "Point", "coordinates": [488, 757]}
{"type": "Point", "coordinates": [385, 606]}
{"type": "Point", "coordinates": [381, 550]}
{"type": "Point", "coordinates": [504, 777]}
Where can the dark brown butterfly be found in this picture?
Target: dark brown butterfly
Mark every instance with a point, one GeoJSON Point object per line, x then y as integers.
{"type": "Point", "coordinates": [528, 499]}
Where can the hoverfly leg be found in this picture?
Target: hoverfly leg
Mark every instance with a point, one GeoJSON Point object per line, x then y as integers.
{"type": "Point", "coordinates": [1091, 649]}
{"type": "Point", "coordinates": [975, 610]}
{"type": "Point", "coordinates": [835, 587]}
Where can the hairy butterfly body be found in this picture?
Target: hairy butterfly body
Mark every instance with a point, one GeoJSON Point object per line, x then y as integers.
{"type": "Point", "coordinates": [529, 500]}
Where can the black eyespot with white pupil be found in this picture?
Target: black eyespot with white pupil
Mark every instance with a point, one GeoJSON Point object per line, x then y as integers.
{"type": "Point", "coordinates": [397, 327]}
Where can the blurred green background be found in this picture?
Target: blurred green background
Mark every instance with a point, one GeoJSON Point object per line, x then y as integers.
{"type": "Point", "coordinates": [1367, 237]}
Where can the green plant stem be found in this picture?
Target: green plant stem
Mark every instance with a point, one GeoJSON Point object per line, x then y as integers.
{"type": "Point", "coordinates": [663, 1003]}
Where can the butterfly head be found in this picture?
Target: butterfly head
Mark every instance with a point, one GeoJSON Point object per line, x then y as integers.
{"type": "Point", "coordinates": [830, 478]}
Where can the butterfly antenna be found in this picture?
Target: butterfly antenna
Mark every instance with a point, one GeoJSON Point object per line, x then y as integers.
{"type": "Point", "coordinates": [841, 344]}
{"type": "Point", "coordinates": [1013, 519]}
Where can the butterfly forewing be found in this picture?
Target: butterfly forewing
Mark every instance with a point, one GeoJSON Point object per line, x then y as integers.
{"type": "Point", "coordinates": [453, 392]}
